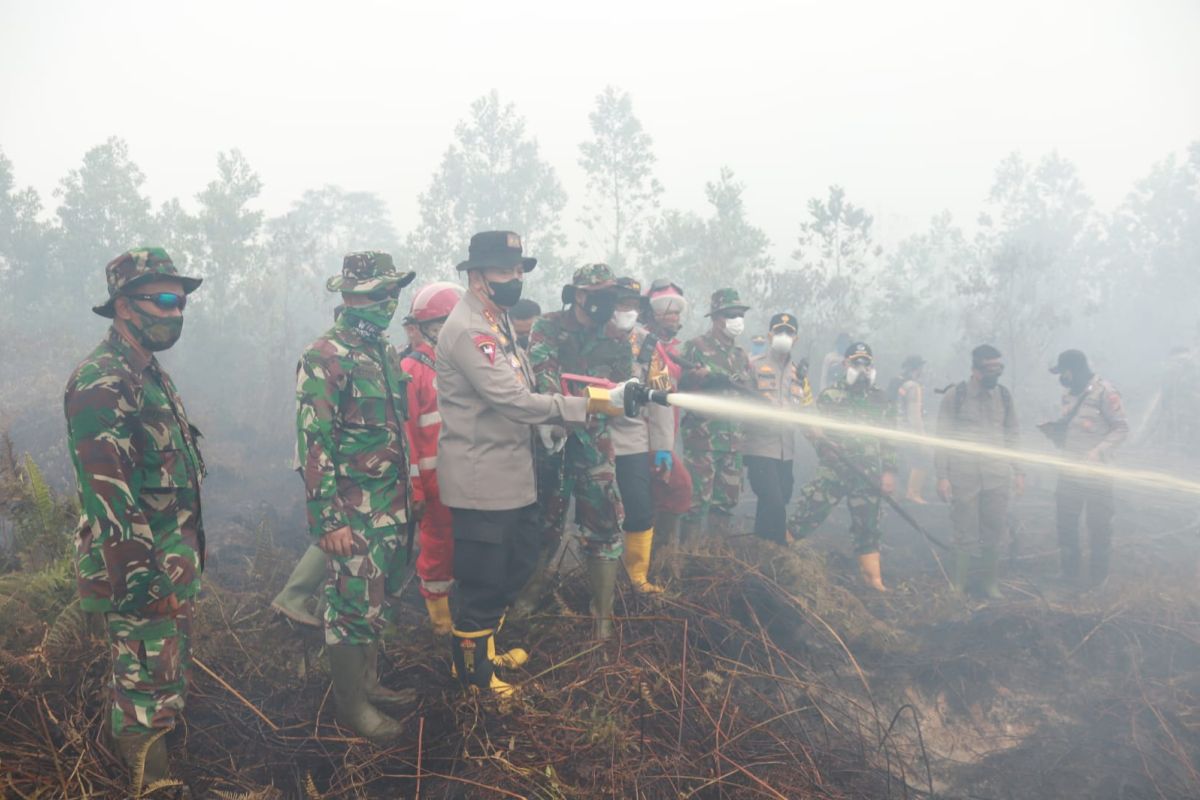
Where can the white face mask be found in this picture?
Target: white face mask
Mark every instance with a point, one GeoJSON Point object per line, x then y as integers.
{"type": "Point", "coordinates": [624, 320]}
{"type": "Point", "coordinates": [853, 374]}
{"type": "Point", "coordinates": [782, 343]}
{"type": "Point", "coordinates": [736, 326]}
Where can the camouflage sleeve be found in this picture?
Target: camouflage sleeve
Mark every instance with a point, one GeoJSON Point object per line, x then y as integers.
{"type": "Point", "coordinates": [318, 395]}
{"type": "Point", "coordinates": [691, 355]}
{"type": "Point", "coordinates": [743, 373]}
{"type": "Point", "coordinates": [101, 441]}
{"type": "Point", "coordinates": [543, 357]}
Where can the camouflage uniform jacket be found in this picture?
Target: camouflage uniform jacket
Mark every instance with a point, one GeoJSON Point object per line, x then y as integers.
{"type": "Point", "coordinates": [136, 457]}
{"type": "Point", "coordinates": [707, 350]}
{"type": "Point", "coordinates": [1099, 423]}
{"type": "Point", "coordinates": [350, 412]}
{"type": "Point", "coordinates": [784, 385]}
{"type": "Point", "coordinates": [871, 407]}
{"type": "Point", "coordinates": [560, 344]}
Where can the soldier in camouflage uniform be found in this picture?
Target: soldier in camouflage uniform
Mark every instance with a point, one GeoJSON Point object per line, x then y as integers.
{"type": "Point", "coordinates": [714, 362]}
{"type": "Point", "coordinates": [350, 401]}
{"type": "Point", "coordinates": [856, 468]}
{"type": "Point", "coordinates": [574, 342]}
{"type": "Point", "coordinates": [140, 548]}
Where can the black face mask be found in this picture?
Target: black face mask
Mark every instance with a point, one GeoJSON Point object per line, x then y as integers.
{"type": "Point", "coordinates": [505, 294]}
{"type": "Point", "coordinates": [990, 381]}
{"type": "Point", "coordinates": [523, 342]}
{"type": "Point", "coordinates": [600, 306]}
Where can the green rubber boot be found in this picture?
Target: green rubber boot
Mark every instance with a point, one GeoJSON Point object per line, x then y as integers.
{"type": "Point", "coordinates": [602, 579]}
{"type": "Point", "coordinates": [530, 596]}
{"type": "Point", "coordinates": [348, 663]}
{"type": "Point", "coordinates": [145, 755]}
{"type": "Point", "coordinates": [301, 585]}
{"type": "Point", "coordinates": [376, 691]}
{"type": "Point", "coordinates": [991, 568]}
{"type": "Point", "coordinates": [962, 568]}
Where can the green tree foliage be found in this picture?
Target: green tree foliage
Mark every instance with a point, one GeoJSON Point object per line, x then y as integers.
{"type": "Point", "coordinates": [226, 233]}
{"type": "Point", "coordinates": [102, 211]}
{"type": "Point", "coordinates": [920, 288]}
{"type": "Point", "coordinates": [836, 267]}
{"type": "Point", "coordinates": [1154, 243]}
{"type": "Point", "coordinates": [23, 239]}
{"type": "Point", "coordinates": [492, 177]}
{"type": "Point", "coordinates": [1034, 243]}
{"type": "Point", "coordinates": [621, 187]}
{"type": "Point", "coordinates": [707, 253]}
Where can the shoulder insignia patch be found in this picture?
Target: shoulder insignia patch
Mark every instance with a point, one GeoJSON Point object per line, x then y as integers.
{"type": "Point", "coordinates": [488, 346]}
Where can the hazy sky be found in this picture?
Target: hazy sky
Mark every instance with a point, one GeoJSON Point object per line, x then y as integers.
{"type": "Point", "coordinates": [908, 105]}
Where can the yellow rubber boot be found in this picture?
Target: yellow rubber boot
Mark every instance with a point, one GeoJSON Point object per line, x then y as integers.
{"type": "Point", "coordinates": [473, 653]}
{"type": "Point", "coordinates": [637, 560]}
{"type": "Point", "coordinates": [868, 565]}
{"type": "Point", "coordinates": [439, 614]}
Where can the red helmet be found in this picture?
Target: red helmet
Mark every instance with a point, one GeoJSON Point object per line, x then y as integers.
{"type": "Point", "coordinates": [435, 301]}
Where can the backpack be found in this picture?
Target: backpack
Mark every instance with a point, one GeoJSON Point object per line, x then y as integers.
{"type": "Point", "coordinates": [960, 397]}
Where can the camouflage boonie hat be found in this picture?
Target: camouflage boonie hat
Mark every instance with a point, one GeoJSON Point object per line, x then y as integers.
{"type": "Point", "coordinates": [627, 286]}
{"type": "Point", "coordinates": [593, 276]}
{"type": "Point", "coordinates": [367, 270]}
{"type": "Point", "coordinates": [134, 266]}
{"type": "Point", "coordinates": [726, 300]}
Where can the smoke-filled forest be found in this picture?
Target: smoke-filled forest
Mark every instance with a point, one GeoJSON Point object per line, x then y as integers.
{"type": "Point", "coordinates": [764, 670]}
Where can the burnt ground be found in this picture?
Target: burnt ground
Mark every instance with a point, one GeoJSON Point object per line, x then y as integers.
{"type": "Point", "coordinates": [766, 673]}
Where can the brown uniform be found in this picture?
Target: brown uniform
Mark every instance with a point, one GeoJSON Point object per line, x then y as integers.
{"type": "Point", "coordinates": [486, 457]}
{"type": "Point", "coordinates": [982, 485]}
{"type": "Point", "coordinates": [1098, 425]}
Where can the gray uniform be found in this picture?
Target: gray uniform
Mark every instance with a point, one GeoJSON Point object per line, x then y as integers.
{"type": "Point", "coordinates": [485, 459]}
{"type": "Point", "coordinates": [634, 438]}
{"type": "Point", "coordinates": [768, 450]}
{"type": "Point", "coordinates": [982, 486]}
{"type": "Point", "coordinates": [1099, 424]}
{"type": "Point", "coordinates": [485, 449]}
{"type": "Point", "coordinates": [654, 429]}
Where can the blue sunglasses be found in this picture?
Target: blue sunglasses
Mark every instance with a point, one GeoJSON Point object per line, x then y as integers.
{"type": "Point", "coordinates": [165, 301]}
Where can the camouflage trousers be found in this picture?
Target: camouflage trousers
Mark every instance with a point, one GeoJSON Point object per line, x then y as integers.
{"type": "Point", "coordinates": [359, 587]}
{"type": "Point", "coordinates": [819, 497]}
{"type": "Point", "coordinates": [716, 481]}
{"type": "Point", "coordinates": [151, 662]}
{"type": "Point", "coordinates": [590, 476]}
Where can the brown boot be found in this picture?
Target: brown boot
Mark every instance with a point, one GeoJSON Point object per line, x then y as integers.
{"type": "Point", "coordinates": [868, 565]}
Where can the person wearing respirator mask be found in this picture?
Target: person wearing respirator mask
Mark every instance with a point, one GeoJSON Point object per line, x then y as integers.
{"type": "Point", "coordinates": [485, 453]}
{"type": "Point", "coordinates": [854, 398]}
{"type": "Point", "coordinates": [643, 443]}
{"type": "Point", "coordinates": [576, 341]}
{"type": "Point", "coordinates": [712, 446]}
{"type": "Point", "coordinates": [979, 489]}
{"type": "Point", "coordinates": [140, 547]}
{"type": "Point", "coordinates": [769, 450]}
{"type": "Point", "coordinates": [350, 411]}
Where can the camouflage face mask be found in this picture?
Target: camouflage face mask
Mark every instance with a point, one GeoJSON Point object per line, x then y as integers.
{"type": "Point", "coordinates": [377, 315]}
{"type": "Point", "coordinates": [153, 332]}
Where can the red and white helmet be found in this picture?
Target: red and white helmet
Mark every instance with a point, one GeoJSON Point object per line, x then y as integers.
{"type": "Point", "coordinates": [435, 301]}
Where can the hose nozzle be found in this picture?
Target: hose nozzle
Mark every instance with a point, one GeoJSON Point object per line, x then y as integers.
{"type": "Point", "coordinates": [638, 395]}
